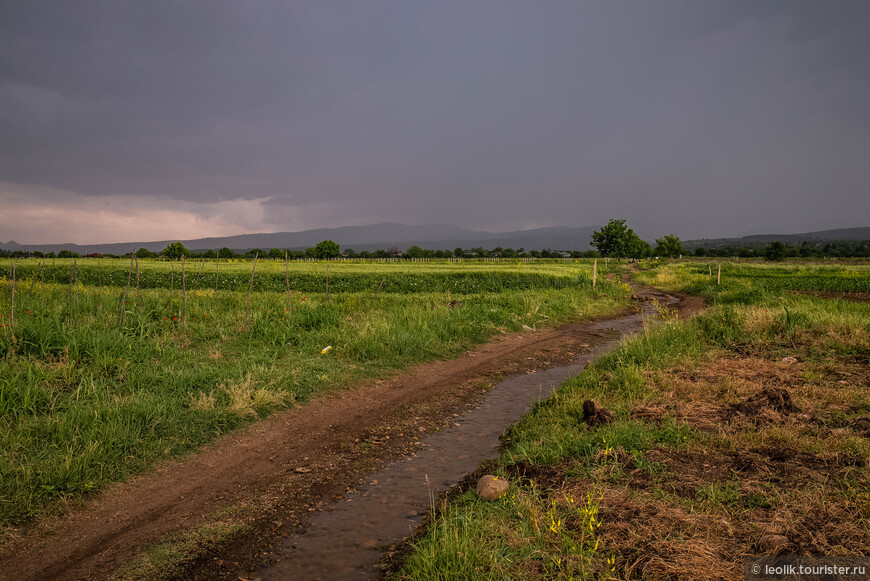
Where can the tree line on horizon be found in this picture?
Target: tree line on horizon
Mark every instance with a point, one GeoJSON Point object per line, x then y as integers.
{"type": "Point", "coordinates": [613, 240]}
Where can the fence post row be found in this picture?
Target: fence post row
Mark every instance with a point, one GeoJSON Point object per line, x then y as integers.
{"type": "Point", "coordinates": [287, 280]}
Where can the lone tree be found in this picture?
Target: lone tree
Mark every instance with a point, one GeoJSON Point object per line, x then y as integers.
{"type": "Point", "coordinates": [327, 249]}
{"type": "Point", "coordinates": [175, 250]}
{"type": "Point", "coordinates": [145, 253]}
{"type": "Point", "coordinates": [637, 248]}
{"type": "Point", "coordinates": [617, 239]}
{"type": "Point", "coordinates": [669, 246]}
{"type": "Point", "coordinates": [225, 253]}
{"type": "Point", "coordinates": [775, 251]}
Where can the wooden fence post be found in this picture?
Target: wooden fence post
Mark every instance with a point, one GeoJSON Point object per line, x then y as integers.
{"type": "Point", "coordinates": [127, 288]}
{"type": "Point", "coordinates": [183, 292]}
{"type": "Point", "coordinates": [328, 298]}
{"type": "Point", "coordinates": [76, 281]}
{"type": "Point", "coordinates": [69, 285]}
{"type": "Point", "coordinates": [138, 296]}
{"type": "Point", "coordinates": [12, 311]}
{"type": "Point", "coordinates": [251, 287]}
{"type": "Point", "coordinates": [287, 280]}
{"type": "Point", "coordinates": [594, 273]}
{"type": "Point", "coordinates": [719, 275]}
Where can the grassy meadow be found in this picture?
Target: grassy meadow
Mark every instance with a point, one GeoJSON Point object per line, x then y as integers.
{"type": "Point", "coordinates": [99, 380]}
{"type": "Point", "coordinates": [742, 431]}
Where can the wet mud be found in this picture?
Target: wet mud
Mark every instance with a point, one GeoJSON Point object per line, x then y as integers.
{"type": "Point", "coordinates": [278, 474]}
{"type": "Point", "coordinates": [345, 540]}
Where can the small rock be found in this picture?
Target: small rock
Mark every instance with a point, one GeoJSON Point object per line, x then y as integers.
{"type": "Point", "coordinates": [789, 359]}
{"type": "Point", "coordinates": [595, 414]}
{"type": "Point", "coordinates": [302, 470]}
{"type": "Point", "coordinates": [773, 544]}
{"type": "Point", "coordinates": [492, 487]}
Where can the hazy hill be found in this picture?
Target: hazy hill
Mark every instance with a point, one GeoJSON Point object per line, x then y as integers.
{"type": "Point", "coordinates": [435, 236]}
{"type": "Point", "coordinates": [839, 234]}
{"type": "Point", "coordinates": [373, 237]}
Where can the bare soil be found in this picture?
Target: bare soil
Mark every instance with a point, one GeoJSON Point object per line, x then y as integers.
{"type": "Point", "coordinates": [272, 474]}
{"type": "Point", "coordinates": [778, 466]}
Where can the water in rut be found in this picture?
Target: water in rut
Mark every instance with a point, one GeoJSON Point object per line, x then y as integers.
{"type": "Point", "coordinates": [343, 541]}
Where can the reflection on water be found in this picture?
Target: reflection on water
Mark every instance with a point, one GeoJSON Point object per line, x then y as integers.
{"type": "Point", "coordinates": [342, 541]}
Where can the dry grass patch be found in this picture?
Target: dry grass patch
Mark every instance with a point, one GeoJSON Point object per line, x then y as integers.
{"type": "Point", "coordinates": [806, 401]}
{"type": "Point", "coordinates": [657, 539]}
{"type": "Point", "coordinates": [781, 452]}
{"type": "Point", "coordinates": [705, 511]}
{"type": "Point", "coordinates": [202, 401]}
{"type": "Point", "coordinates": [245, 397]}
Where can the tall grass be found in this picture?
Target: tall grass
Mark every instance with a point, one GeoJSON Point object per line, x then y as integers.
{"type": "Point", "coordinates": [310, 277]}
{"type": "Point", "coordinates": [85, 401]}
{"type": "Point", "coordinates": [742, 282]}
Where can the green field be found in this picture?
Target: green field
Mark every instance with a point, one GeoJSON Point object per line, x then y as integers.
{"type": "Point", "coordinates": [743, 431]}
{"type": "Point", "coordinates": [754, 281]}
{"type": "Point", "coordinates": [95, 387]}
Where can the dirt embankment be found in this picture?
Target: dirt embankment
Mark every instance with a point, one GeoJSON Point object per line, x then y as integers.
{"type": "Point", "coordinates": [278, 470]}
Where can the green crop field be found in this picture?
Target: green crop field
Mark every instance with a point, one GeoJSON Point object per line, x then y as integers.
{"type": "Point", "coordinates": [100, 377]}
{"type": "Point", "coordinates": [745, 281]}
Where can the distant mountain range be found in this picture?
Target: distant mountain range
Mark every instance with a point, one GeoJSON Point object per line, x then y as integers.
{"type": "Point", "coordinates": [434, 236]}
{"type": "Point", "coordinates": [839, 234]}
{"type": "Point", "coordinates": [373, 237]}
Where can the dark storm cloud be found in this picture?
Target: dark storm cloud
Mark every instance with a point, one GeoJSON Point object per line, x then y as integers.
{"type": "Point", "coordinates": [696, 117]}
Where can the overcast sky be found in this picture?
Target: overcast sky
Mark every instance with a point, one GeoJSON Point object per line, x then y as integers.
{"type": "Point", "coordinates": [124, 121]}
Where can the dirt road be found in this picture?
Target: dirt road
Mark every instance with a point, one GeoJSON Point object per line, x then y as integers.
{"type": "Point", "coordinates": [278, 470]}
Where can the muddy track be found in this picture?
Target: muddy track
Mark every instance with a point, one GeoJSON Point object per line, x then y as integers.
{"type": "Point", "coordinates": [280, 468]}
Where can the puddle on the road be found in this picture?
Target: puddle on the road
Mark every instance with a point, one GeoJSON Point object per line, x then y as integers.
{"type": "Point", "coordinates": [342, 542]}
